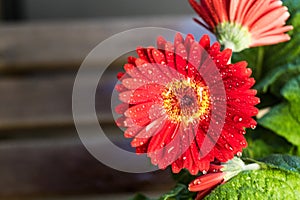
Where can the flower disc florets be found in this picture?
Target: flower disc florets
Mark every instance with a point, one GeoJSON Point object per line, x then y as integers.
{"type": "Point", "coordinates": [186, 101]}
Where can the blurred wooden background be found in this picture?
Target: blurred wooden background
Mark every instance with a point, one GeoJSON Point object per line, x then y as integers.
{"type": "Point", "coordinates": [41, 156]}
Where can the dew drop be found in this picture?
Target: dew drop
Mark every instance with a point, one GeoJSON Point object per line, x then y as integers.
{"type": "Point", "coordinates": [204, 172]}
{"type": "Point", "coordinates": [169, 150]}
{"type": "Point", "coordinates": [184, 158]}
{"type": "Point", "coordinates": [197, 182]}
{"type": "Point", "coordinates": [237, 119]}
{"type": "Point", "coordinates": [239, 154]}
{"type": "Point", "coordinates": [253, 126]}
{"type": "Point", "coordinates": [228, 147]}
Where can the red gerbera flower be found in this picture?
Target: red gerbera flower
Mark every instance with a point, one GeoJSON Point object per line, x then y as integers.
{"type": "Point", "coordinates": [241, 24]}
{"type": "Point", "coordinates": [219, 174]}
{"type": "Point", "coordinates": [173, 103]}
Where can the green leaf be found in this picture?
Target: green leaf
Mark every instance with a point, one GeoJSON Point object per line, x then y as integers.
{"type": "Point", "coordinates": [277, 181]}
{"type": "Point", "coordinates": [140, 197]}
{"type": "Point", "coordinates": [291, 92]}
{"type": "Point", "coordinates": [277, 77]}
{"type": "Point", "coordinates": [280, 120]}
{"type": "Point", "coordinates": [263, 142]}
{"type": "Point", "coordinates": [257, 149]}
{"type": "Point", "coordinates": [283, 162]}
{"type": "Point", "coordinates": [183, 177]}
{"type": "Point", "coordinates": [284, 119]}
{"type": "Point", "coordinates": [293, 5]}
{"type": "Point", "coordinates": [179, 192]}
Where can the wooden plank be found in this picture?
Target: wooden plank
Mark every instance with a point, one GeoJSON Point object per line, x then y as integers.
{"type": "Point", "coordinates": [47, 167]}
{"type": "Point", "coordinates": [46, 100]}
{"type": "Point", "coordinates": [57, 45]}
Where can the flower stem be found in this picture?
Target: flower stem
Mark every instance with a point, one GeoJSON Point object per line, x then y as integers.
{"type": "Point", "coordinates": [252, 166]}
{"type": "Point", "coordinates": [259, 63]}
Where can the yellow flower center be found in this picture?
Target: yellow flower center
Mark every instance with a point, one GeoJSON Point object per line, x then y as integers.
{"type": "Point", "coordinates": [186, 101]}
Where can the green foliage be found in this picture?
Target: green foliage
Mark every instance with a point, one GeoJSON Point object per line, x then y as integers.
{"type": "Point", "coordinates": [140, 197]}
{"type": "Point", "coordinates": [284, 119]}
{"type": "Point", "coordinates": [183, 177]}
{"type": "Point", "coordinates": [263, 142]}
{"type": "Point", "coordinates": [283, 162]}
{"type": "Point", "coordinates": [279, 179]}
{"type": "Point", "coordinates": [276, 78]}
{"type": "Point", "coordinates": [179, 192]}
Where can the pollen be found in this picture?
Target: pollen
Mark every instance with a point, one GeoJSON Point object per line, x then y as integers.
{"type": "Point", "coordinates": [186, 100]}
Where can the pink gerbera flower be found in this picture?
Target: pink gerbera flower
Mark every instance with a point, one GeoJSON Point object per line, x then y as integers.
{"type": "Point", "coordinates": [170, 101]}
{"type": "Point", "coordinates": [241, 24]}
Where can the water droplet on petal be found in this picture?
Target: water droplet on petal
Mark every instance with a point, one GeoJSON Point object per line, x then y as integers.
{"type": "Point", "coordinates": [237, 119]}
{"type": "Point", "coordinates": [253, 126]}
{"type": "Point", "coordinates": [204, 172]}
{"type": "Point", "coordinates": [197, 182]}
{"type": "Point", "coordinates": [239, 154]}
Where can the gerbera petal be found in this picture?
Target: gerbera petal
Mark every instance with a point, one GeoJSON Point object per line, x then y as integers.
{"type": "Point", "coordinates": [138, 111]}
{"type": "Point", "coordinates": [161, 42]}
{"type": "Point", "coordinates": [194, 60]}
{"type": "Point", "coordinates": [181, 59]}
{"type": "Point", "coordinates": [121, 108]}
{"type": "Point", "coordinates": [149, 53]}
{"type": "Point", "coordinates": [133, 71]}
{"type": "Point", "coordinates": [270, 20]}
{"type": "Point", "coordinates": [221, 9]}
{"type": "Point", "coordinates": [146, 93]}
{"type": "Point", "coordinates": [120, 88]}
{"type": "Point", "coordinates": [178, 40]}
{"type": "Point", "coordinates": [189, 40]}
{"type": "Point", "coordinates": [134, 83]}
{"type": "Point", "coordinates": [255, 11]}
{"type": "Point", "coordinates": [241, 13]}
{"type": "Point", "coordinates": [274, 31]}
{"type": "Point", "coordinates": [272, 39]}
{"type": "Point", "coordinates": [142, 53]}
{"type": "Point", "coordinates": [170, 57]}
{"type": "Point", "coordinates": [132, 131]}
{"type": "Point", "coordinates": [131, 60]}
{"type": "Point", "coordinates": [153, 73]}
{"type": "Point", "coordinates": [205, 42]}
{"type": "Point", "coordinates": [206, 181]}
{"type": "Point", "coordinates": [159, 57]}
{"type": "Point", "coordinates": [172, 149]}
{"type": "Point", "coordinates": [151, 129]}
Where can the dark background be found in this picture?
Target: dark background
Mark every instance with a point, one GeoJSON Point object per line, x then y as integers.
{"type": "Point", "coordinates": [18, 10]}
